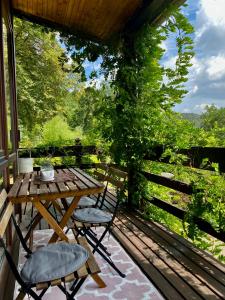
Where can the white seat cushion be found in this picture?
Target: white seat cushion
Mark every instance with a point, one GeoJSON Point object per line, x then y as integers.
{"type": "Point", "coordinates": [53, 261]}
{"type": "Point", "coordinates": [92, 215]}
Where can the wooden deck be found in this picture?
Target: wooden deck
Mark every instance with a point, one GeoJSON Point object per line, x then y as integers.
{"type": "Point", "coordinates": [177, 268]}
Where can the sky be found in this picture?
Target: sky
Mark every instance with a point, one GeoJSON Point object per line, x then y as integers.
{"type": "Point", "coordinates": [206, 84]}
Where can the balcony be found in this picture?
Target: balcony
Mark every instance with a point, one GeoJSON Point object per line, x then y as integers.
{"type": "Point", "coordinates": [171, 267]}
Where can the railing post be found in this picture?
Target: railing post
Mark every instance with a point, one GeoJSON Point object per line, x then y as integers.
{"type": "Point", "coordinates": [133, 188]}
{"type": "Point", "coordinates": [78, 155]}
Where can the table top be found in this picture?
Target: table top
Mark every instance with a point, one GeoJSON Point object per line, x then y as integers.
{"type": "Point", "coordinates": [24, 188]}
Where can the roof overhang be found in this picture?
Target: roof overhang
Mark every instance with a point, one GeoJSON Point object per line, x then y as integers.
{"type": "Point", "coordinates": [93, 19]}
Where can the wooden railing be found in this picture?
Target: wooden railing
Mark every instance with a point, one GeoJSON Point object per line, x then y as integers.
{"type": "Point", "coordinates": [76, 151]}
{"type": "Point", "coordinates": [195, 156]}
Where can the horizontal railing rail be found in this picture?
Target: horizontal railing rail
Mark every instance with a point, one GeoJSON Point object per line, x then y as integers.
{"type": "Point", "coordinates": [170, 183]}
{"type": "Point", "coordinates": [181, 213]}
{"type": "Point", "coordinates": [195, 156]}
{"type": "Point", "coordinates": [57, 151]}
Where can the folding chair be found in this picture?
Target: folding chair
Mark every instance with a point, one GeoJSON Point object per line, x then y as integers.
{"type": "Point", "coordinates": [87, 218]}
{"type": "Point", "coordinates": [100, 174]}
{"type": "Point", "coordinates": [51, 265]}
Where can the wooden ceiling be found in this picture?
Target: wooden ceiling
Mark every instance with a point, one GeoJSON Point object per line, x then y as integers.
{"type": "Point", "coordinates": [97, 19]}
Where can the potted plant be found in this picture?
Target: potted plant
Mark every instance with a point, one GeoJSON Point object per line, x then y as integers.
{"type": "Point", "coordinates": [25, 161]}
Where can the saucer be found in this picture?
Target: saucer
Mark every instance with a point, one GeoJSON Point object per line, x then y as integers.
{"type": "Point", "coordinates": [48, 179]}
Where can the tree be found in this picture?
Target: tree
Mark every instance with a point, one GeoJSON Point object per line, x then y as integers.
{"type": "Point", "coordinates": [213, 118]}
{"type": "Point", "coordinates": [44, 77]}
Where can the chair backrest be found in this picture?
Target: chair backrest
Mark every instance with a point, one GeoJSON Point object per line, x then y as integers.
{"type": "Point", "coordinates": [116, 178]}
{"type": "Point", "coordinates": [6, 214]}
{"type": "Point", "coordinates": [6, 211]}
{"type": "Point", "coordinates": [101, 171]}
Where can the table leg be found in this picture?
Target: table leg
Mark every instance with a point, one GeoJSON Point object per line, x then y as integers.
{"type": "Point", "coordinates": [36, 221]}
{"type": "Point", "coordinates": [65, 218]}
{"type": "Point", "coordinates": [51, 221]}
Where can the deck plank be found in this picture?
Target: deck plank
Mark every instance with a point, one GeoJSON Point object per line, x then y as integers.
{"type": "Point", "coordinates": [188, 271]}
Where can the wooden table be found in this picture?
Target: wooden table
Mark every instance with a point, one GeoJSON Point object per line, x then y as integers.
{"type": "Point", "coordinates": [41, 195]}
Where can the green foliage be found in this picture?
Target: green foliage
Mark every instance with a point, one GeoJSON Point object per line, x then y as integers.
{"type": "Point", "coordinates": [138, 81]}
{"type": "Point", "coordinates": [213, 118]}
{"type": "Point", "coordinates": [43, 75]}
{"type": "Point", "coordinates": [56, 132]}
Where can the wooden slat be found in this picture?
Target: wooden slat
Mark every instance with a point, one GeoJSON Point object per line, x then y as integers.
{"type": "Point", "coordinates": [84, 179]}
{"type": "Point", "coordinates": [188, 280]}
{"type": "Point", "coordinates": [52, 196]}
{"type": "Point", "coordinates": [82, 272]}
{"type": "Point", "coordinates": [202, 224]}
{"type": "Point", "coordinates": [206, 279]}
{"type": "Point", "coordinates": [21, 296]}
{"type": "Point", "coordinates": [33, 187]}
{"type": "Point", "coordinates": [108, 178]}
{"type": "Point", "coordinates": [78, 183]}
{"type": "Point", "coordinates": [42, 286]}
{"type": "Point", "coordinates": [62, 187]}
{"type": "Point", "coordinates": [89, 177]}
{"type": "Point", "coordinates": [199, 257]}
{"type": "Point", "coordinates": [43, 189]}
{"type": "Point", "coordinates": [56, 282]}
{"type": "Point", "coordinates": [53, 188]}
{"type": "Point", "coordinates": [189, 245]}
{"type": "Point", "coordinates": [15, 188]}
{"type": "Point", "coordinates": [69, 278]}
{"type": "Point", "coordinates": [118, 172]}
{"type": "Point", "coordinates": [5, 219]}
{"type": "Point", "coordinates": [3, 197]}
{"type": "Point", "coordinates": [150, 270]}
{"type": "Point", "coordinates": [170, 183]}
{"type": "Point", "coordinates": [72, 186]}
{"type": "Point", "coordinates": [25, 185]}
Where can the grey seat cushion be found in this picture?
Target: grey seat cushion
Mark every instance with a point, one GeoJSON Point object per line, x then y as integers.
{"type": "Point", "coordinates": [92, 215]}
{"type": "Point", "coordinates": [53, 261]}
{"type": "Point", "coordinates": [84, 201]}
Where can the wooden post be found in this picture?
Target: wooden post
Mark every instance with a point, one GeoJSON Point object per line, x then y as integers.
{"type": "Point", "coordinates": [78, 160]}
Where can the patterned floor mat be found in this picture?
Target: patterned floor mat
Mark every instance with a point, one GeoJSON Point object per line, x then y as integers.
{"type": "Point", "coordinates": [135, 286]}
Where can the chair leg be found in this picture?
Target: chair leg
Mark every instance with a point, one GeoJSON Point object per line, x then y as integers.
{"type": "Point", "coordinates": [77, 287]}
{"type": "Point", "coordinates": [109, 261]}
{"type": "Point", "coordinates": [100, 240]}
{"type": "Point", "coordinates": [34, 295]}
{"type": "Point", "coordinates": [94, 238]}
{"type": "Point", "coordinates": [43, 292]}
{"type": "Point", "coordinates": [99, 281]}
{"type": "Point", "coordinates": [21, 295]}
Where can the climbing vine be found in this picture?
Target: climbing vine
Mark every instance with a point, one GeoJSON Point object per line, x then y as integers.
{"type": "Point", "coordinates": [142, 88]}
